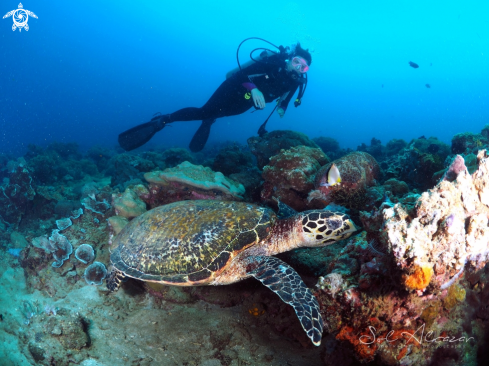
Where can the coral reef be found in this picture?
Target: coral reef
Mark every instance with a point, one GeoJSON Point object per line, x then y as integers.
{"type": "Point", "coordinates": [95, 273]}
{"type": "Point", "coordinates": [126, 167]}
{"type": "Point", "coordinates": [375, 149]}
{"type": "Point", "coordinates": [289, 176]}
{"type": "Point", "coordinates": [358, 171]}
{"type": "Point", "coordinates": [168, 158]}
{"type": "Point", "coordinates": [85, 253]}
{"type": "Point", "coordinates": [117, 223]}
{"type": "Point", "coordinates": [403, 290]}
{"type": "Point", "coordinates": [128, 204]}
{"type": "Point", "coordinates": [175, 156]}
{"type": "Point", "coordinates": [410, 289]}
{"type": "Point", "coordinates": [467, 142]}
{"type": "Point", "coordinates": [271, 143]}
{"type": "Point", "coordinates": [231, 160]}
{"type": "Point", "coordinates": [63, 223]}
{"type": "Point", "coordinates": [95, 206]}
{"type": "Point", "coordinates": [394, 146]}
{"type": "Point", "coordinates": [55, 334]}
{"type": "Point", "coordinates": [60, 247]}
{"type": "Point", "coordinates": [58, 162]}
{"type": "Point", "coordinates": [448, 230]}
{"type": "Point", "coordinates": [16, 196]}
{"type": "Point", "coordinates": [327, 144]}
{"type": "Point", "coordinates": [251, 180]}
{"type": "Point", "coordinates": [188, 181]}
{"type": "Point", "coordinates": [419, 163]}
{"type": "Point", "coordinates": [100, 155]}
{"type": "Point", "coordinates": [57, 244]}
{"type": "Point", "coordinates": [396, 187]}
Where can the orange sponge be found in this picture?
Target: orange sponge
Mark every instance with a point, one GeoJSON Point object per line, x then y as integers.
{"type": "Point", "coordinates": [420, 279]}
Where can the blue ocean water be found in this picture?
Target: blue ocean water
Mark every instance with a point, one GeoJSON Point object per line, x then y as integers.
{"type": "Point", "coordinates": [86, 71]}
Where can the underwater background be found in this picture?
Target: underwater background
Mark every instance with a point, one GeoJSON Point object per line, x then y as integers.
{"type": "Point", "coordinates": [392, 136]}
{"type": "Point", "coordinates": [86, 71]}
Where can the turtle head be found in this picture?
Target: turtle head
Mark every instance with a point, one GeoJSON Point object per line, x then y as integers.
{"type": "Point", "coordinates": [321, 228]}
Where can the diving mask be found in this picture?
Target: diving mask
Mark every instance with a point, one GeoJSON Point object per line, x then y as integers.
{"type": "Point", "coordinates": [300, 64]}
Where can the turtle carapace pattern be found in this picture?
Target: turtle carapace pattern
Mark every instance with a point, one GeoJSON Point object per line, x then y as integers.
{"type": "Point", "coordinates": [209, 242]}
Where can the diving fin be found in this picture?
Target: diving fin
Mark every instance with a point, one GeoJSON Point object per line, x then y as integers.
{"type": "Point", "coordinates": [201, 135]}
{"type": "Point", "coordinates": [141, 134]}
{"type": "Point", "coordinates": [262, 130]}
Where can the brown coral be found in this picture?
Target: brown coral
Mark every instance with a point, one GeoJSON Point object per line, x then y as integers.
{"type": "Point", "coordinates": [290, 176]}
{"type": "Point", "coordinates": [358, 170]}
{"type": "Point", "coordinates": [187, 181]}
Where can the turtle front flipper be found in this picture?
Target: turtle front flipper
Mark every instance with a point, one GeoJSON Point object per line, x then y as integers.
{"type": "Point", "coordinates": [114, 280]}
{"type": "Point", "coordinates": [279, 277]}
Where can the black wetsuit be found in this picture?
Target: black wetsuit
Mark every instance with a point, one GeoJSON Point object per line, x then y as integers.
{"type": "Point", "coordinates": [232, 98]}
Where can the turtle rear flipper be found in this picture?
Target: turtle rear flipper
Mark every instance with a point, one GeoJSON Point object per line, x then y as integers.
{"type": "Point", "coordinates": [279, 277]}
{"type": "Point", "coordinates": [114, 280]}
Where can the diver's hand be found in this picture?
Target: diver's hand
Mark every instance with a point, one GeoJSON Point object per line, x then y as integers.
{"type": "Point", "coordinates": [280, 112]}
{"type": "Point", "coordinates": [258, 98]}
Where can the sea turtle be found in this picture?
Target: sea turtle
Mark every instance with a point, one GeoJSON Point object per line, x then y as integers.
{"type": "Point", "coordinates": [209, 242]}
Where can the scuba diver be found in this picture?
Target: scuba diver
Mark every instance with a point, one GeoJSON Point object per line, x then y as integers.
{"type": "Point", "coordinates": [272, 75]}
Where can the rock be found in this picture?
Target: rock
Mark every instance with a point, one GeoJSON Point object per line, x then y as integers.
{"type": "Point", "coordinates": [358, 171]}
{"type": "Point", "coordinates": [271, 143]}
{"type": "Point", "coordinates": [18, 240]}
{"type": "Point", "coordinates": [289, 176]}
{"type": "Point", "coordinates": [117, 223]}
{"type": "Point", "coordinates": [187, 181]}
{"type": "Point", "coordinates": [128, 205]}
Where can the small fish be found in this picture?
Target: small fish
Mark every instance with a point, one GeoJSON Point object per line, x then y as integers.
{"type": "Point", "coordinates": [413, 65]}
{"type": "Point", "coordinates": [333, 177]}
{"type": "Point", "coordinates": [427, 85]}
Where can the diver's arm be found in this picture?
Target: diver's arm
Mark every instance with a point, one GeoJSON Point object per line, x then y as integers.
{"type": "Point", "coordinates": [245, 78]}
{"type": "Point", "coordinates": [256, 94]}
{"type": "Point", "coordinates": [258, 98]}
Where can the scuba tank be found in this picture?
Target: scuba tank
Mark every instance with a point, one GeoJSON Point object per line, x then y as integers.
{"type": "Point", "coordinates": [262, 57]}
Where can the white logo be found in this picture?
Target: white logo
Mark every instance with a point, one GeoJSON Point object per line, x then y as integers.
{"type": "Point", "coordinates": [20, 17]}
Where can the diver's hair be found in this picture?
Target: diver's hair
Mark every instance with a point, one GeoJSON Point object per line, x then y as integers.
{"type": "Point", "coordinates": [297, 50]}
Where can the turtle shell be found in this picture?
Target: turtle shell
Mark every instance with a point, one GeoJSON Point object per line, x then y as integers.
{"type": "Point", "coordinates": [189, 242]}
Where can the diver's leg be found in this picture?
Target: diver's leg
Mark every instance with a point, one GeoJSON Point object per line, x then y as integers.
{"type": "Point", "coordinates": [228, 100]}
{"type": "Point", "coordinates": [201, 135]}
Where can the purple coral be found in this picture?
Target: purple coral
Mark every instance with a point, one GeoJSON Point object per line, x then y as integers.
{"type": "Point", "coordinates": [449, 220]}
{"type": "Point", "coordinates": [95, 273]}
{"type": "Point", "coordinates": [63, 223]}
{"type": "Point", "coordinates": [456, 167]}
{"type": "Point", "coordinates": [95, 206]}
{"type": "Point", "coordinates": [84, 253]}
{"type": "Point", "coordinates": [50, 309]}
{"type": "Point", "coordinates": [61, 248]}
